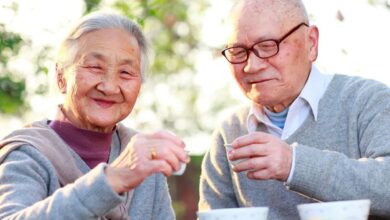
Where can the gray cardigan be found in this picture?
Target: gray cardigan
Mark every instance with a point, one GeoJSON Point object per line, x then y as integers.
{"type": "Point", "coordinates": [30, 189]}
{"type": "Point", "coordinates": [344, 155]}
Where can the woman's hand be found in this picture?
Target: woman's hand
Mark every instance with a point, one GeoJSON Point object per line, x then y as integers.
{"type": "Point", "coordinates": [145, 155]}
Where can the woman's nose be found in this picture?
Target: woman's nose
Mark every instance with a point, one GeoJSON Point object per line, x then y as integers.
{"type": "Point", "coordinates": [109, 84]}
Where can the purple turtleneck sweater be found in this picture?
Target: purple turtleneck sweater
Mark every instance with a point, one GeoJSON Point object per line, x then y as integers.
{"type": "Point", "coordinates": [93, 147]}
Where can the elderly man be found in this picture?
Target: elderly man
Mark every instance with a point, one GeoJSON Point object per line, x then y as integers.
{"type": "Point", "coordinates": [307, 136]}
{"type": "Point", "coordinates": [84, 164]}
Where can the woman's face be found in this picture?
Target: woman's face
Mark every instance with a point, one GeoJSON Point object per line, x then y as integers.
{"type": "Point", "coordinates": [102, 85]}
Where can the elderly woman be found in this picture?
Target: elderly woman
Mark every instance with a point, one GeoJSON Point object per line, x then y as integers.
{"type": "Point", "coordinates": [84, 164]}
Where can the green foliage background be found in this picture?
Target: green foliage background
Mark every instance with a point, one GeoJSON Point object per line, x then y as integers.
{"type": "Point", "coordinates": [12, 87]}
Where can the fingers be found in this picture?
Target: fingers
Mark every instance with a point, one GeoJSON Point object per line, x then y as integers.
{"type": "Point", "coordinates": [162, 145]}
{"type": "Point", "coordinates": [260, 175]}
{"type": "Point", "coordinates": [161, 166]}
{"type": "Point", "coordinates": [167, 135]}
{"type": "Point", "coordinates": [252, 164]}
{"type": "Point", "coordinates": [262, 168]}
{"type": "Point", "coordinates": [269, 160]}
{"type": "Point", "coordinates": [123, 179]}
{"type": "Point", "coordinates": [164, 150]}
{"type": "Point", "coordinates": [252, 138]}
{"type": "Point", "coordinates": [153, 166]}
{"type": "Point", "coordinates": [250, 145]}
{"type": "Point", "coordinates": [161, 152]}
{"type": "Point", "coordinates": [248, 151]}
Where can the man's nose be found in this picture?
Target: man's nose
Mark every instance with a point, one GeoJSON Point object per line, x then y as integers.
{"type": "Point", "coordinates": [254, 63]}
{"type": "Point", "coordinates": [109, 83]}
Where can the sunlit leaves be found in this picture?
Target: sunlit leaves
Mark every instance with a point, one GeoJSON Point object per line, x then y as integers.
{"type": "Point", "coordinates": [91, 5]}
{"type": "Point", "coordinates": [11, 95]}
{"type": "Point", "coordinates": [385, 3]}
{"type": "Point", "coordinates": [11, 90]}
{"type": "Point", "coordinates": [10, 44]}
{"type": "Point", "coordinates": [172, 34]}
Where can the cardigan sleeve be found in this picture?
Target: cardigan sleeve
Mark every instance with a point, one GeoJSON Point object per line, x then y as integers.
{"type": "Point", "coordinates": [162, 209]}
{"type": "Point", "coordinates": [30, 190]}
{"type": "Point", "coordinates": [216, 188]}
{"type": "Point", "coordinates": [336, 174]}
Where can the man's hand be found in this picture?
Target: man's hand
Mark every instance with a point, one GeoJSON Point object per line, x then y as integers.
{"type": "Point", "coordinates": [268, 157]}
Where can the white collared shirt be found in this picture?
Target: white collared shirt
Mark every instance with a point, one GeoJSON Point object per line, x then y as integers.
{"type": "Point", "coordinates": [306, 103]}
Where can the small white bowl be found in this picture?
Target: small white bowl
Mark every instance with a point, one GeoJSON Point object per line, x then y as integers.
{"type": "Point", "coordinates": [346, 210]}
{"type": "Point", "coordinates": [246, 213]}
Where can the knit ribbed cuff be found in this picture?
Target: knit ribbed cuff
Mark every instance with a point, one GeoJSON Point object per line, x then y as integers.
{"type": "Point", "coordinates": [94, 191]}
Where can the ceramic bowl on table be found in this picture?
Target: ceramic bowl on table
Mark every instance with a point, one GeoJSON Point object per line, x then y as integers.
{"type": "Point", "coordinates": [339, 210]}
{"type": "Point", "coordinates": [248, 213]}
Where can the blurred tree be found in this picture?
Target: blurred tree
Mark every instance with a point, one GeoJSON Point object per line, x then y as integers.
{"type": "Point", "coordinates": [172, 34]}
{"type": "Point", "coordinates": [12, 87]}
{"type": "Point", "coordinates": [13, 94]}
{"type": "Point", "coordinates": [385, 3]}
{"type": "Point", "coordinates": [91, 5]}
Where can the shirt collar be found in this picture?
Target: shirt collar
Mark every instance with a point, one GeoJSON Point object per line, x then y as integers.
{"type": "Point", "coordinates": [314, 89]}
{"type": "Point", "coordinates": [312, 92]}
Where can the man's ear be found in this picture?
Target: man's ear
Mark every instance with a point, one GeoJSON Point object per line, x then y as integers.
{"type": "Point", "coordinates": [313, 41]}
{"type": "Point", "coordinates": [61, 82]}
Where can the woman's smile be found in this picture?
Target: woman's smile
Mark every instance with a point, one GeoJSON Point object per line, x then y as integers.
{"type": "Point", "coordinates": [104, 103]}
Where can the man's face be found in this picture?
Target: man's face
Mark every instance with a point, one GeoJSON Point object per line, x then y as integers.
{"type": "Point", "coordinates": [102, 85]}
{"type": "Point", "coordinates": [277, 80]}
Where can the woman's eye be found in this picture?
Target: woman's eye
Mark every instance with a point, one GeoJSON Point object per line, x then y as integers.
{"type": "Point", "coordinates": [129, 74]}
{"type": "Point", "coordinates": [92, 67]}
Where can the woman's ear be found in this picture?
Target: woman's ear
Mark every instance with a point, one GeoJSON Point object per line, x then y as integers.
{"type": "Point", "coordinates": [61, 82]}
{"type": "Point", "coordinates": [313, 43]}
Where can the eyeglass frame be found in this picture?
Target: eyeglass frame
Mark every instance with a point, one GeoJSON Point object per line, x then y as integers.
{"type": "Point", "coordinates": [277, 43]}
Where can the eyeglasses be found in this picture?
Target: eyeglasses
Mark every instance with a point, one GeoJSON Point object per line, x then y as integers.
{"type": "Point", "coordinates": [262, 49]}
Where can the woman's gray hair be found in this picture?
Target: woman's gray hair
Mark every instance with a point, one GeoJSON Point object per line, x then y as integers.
{"type": "Point", "coordinates": [97, 21]}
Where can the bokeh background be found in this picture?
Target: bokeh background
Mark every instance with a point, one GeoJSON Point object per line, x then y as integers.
{"type": "Point", "coordinates": [189, 87]}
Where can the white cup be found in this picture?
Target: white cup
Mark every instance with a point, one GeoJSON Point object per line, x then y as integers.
{"type": "Point", "coordinates": [181, 170]}
{"type": "Point", "coordinates": [346, 210]}
{"type": "Point", "coordinates": [250, 213]}
{"type": "Point", "coordinates": [182, 167]}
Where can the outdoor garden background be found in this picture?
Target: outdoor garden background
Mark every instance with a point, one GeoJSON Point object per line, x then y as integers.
{"type": "Point", "coordinates": [189, 87]}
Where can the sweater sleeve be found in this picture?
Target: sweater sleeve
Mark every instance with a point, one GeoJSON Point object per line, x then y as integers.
{"type": "Point", "coordinates": [216, 188]}
{"type": "Point", "coordinates": [151, 200]}
{"type": "Point", "coordinates": [162, 209]}
{"type": "Point", "coordinates": [30, 190]}
{"type": "Point", "coordinates": [330, 175]}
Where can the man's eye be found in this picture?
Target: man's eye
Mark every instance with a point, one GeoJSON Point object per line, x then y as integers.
{"type": "Point", "coordinates": [236, 51]}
